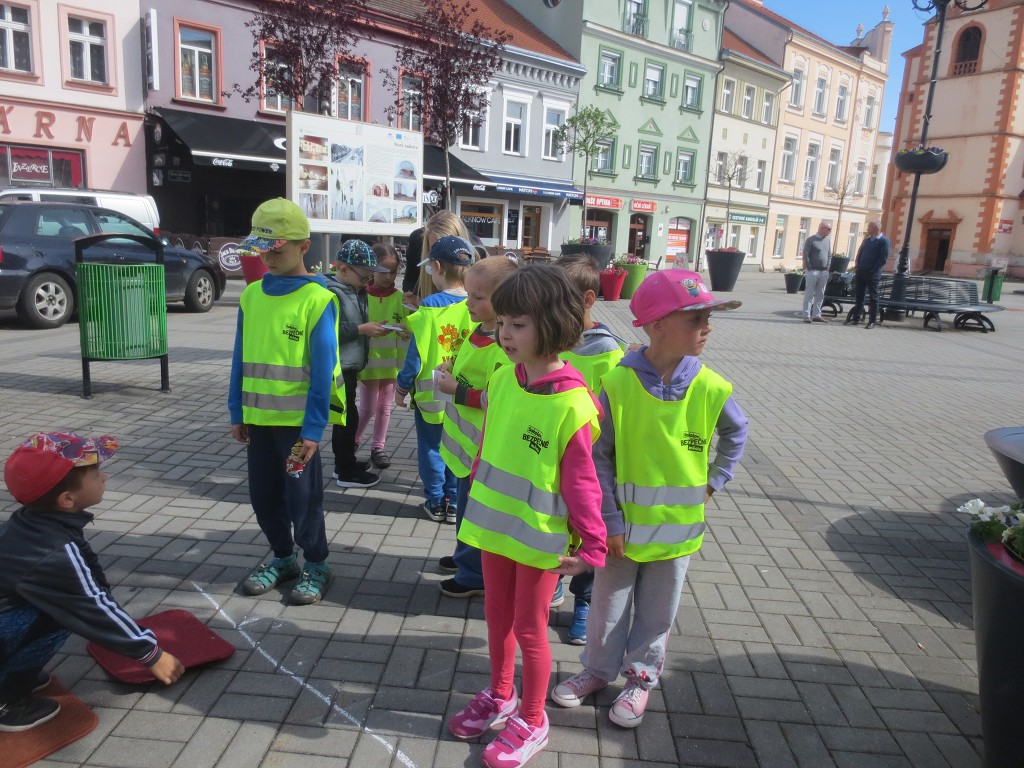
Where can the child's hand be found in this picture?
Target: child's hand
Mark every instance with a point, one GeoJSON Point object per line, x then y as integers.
{"type": "Point", "coordinates": [167, 669]}
{"type": "Point", "coordinates": [445, 366]}
{"type": "Point", "coordinates": [445, 382]}
{"type": "Point", "coordinates": [373, 330]}
{"type": "Point", "coordinates": [708, 493]}
{"type": "Point", "coordinates": [617, 546]}
{"type": "Point", "coordinates": [570, 566]}
{"type": "Point", "coordinates": [411, 299]}
{"type": "Point", "coordinates": [400, 399]}
{"type": "Point", "coordinates": [240, 432]}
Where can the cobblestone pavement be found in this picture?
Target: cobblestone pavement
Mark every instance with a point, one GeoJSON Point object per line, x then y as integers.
{"type": "Point", "coordinates": [826, 622]}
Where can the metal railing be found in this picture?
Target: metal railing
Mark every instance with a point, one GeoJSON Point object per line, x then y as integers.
{"type": "Point", "coordinates": [635, 24]}
{"type": "Point", "coordinates": [682, 39]}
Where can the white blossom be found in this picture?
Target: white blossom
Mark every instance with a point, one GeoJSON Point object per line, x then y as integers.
{"type": "Point", "coordinates": [972, 507]}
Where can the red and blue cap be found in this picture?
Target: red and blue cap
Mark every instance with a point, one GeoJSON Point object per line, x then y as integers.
{"type": "Point", "coordinates": [41, 462]}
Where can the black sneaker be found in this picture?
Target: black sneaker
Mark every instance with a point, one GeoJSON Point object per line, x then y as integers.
{"type": "Point", "coordinates": [27, 713]}
{"type": "Point", "coordinates": [379, 458]}
{"type": "Point", "coordinates": [42, 680]}
{"type": "Point", "coordinates": [359, 478]}
{"type": "Point", "coordinates": [435, 512]}
{"type": "Point", "coordinates": [452, 588]}
{"type": "Point", "coordinates": [450, 515]}
{"type": "Point", "coordinates": [447, 564]}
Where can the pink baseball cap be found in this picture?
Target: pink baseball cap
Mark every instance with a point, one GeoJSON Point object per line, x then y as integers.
{"type": "Point", "coordinates": [42, 461]}
{"type": "Point", "coordinates": [671, 290]}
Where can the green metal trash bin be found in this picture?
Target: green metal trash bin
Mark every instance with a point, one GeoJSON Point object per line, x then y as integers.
{"type": "Point", "coordinates": [122, 308]}
{"type": "Point", "coordinates": [992, 289]}
{"type": "Point", "coordinates": [122, 311]}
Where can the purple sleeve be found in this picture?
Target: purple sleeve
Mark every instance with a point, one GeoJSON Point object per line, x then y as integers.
{"type": "Point", "coordinates": [732, 429]}
{"type": "Point", "coordinates": [582, 494]}
{"type": "Point", "coordinates": [604, 462]}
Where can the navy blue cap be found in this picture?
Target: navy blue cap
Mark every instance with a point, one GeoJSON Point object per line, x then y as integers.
{"type": "Point", "coordinates": [452, 249]}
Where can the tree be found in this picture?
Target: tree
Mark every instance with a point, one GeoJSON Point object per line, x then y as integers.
{"type": "Point", "coordinates": [305, 39]}
{"type": "Point", "coordinates": [846, 189]}
{"type": "Point", "coordinates": [583, 135]}
{"type": "Point", "coordinates": [732, 170]}
{"type": "Point", "coordinates": [454, 54]}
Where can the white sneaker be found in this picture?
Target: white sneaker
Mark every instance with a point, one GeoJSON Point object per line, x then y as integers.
{"type": "Point", "coordinates": [572, 692]}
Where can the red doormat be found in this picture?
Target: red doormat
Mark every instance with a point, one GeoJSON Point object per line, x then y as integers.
{"type": "Point", "coordinates": [178, 632]}
{"type": "Point", "coordinates": [74, 721]}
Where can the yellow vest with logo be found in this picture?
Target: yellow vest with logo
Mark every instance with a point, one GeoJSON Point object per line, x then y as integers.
{"type": "Point", "coordinates": [386, 353]}
{"type": "Point", "coordinates": [460, 435]}
{"type": "Point", "coordinates": [515, 504]}
{"type": "Point", "coordinates": [439, 333]}
{"type": "Point", "coordinates": [593, 367]}
{"type": "Point", "coordinates": [661, 461]}
{"type": "Point", "coordinates": [276, 356]}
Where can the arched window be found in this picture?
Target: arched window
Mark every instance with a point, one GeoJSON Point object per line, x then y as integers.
{"type": "Point", "coordinates": [968, 50]}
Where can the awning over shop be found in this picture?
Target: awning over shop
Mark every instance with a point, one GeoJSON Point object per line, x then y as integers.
{"type": "Point", "coordinates": [536, 187]}
{"type": "Point", "coordinates": [433, 168]}
{"type": "Point", "coordinates": [228, 142]}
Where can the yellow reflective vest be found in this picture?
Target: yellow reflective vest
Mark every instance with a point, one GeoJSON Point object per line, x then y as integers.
{"type": "Point", "coordinates": [661, 461]}
{"type": "Point", "coordinates": [594, 367]}
{"type": "Point", "coordinates": [438, 333]}
{"type": "Point", "coordinates": [515, 504]}
{"type": "Point", "coordinates": [276, 357]}
{"type": "Point", "coordinates": [460, 436]}
{"type": "Point", "coordinates": [385, 355]}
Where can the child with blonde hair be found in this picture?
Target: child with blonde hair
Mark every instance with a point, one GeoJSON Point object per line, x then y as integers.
{"type": "Point", "coordinates": [466, 382]}
{"type": "Point", "coordinates": [533, 504]}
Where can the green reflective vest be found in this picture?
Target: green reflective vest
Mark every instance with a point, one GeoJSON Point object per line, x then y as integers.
{"type": "Point", "coordinates": [661, 461]}
{"type": "Point", "coordinates": [439, 333]}
{"type": "Point", "coordinates": [386, 352]}
{"type": "Point", "coordinates": [593, 367]}
{"type": "Point", "coordinates": [460, 435]}
{"type": "Point", "coordinates": [515, 504]}
{"type": "Point", "coordinates": [276, 359]}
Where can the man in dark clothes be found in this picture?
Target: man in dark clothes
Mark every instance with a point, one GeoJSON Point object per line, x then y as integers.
{"type": "Point", "coordinates": [871, 258]}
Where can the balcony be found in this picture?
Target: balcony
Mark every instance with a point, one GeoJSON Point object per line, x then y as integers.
{"type": "Point", "coordinates": [965, 68]}
{"type": "Point", "coordinates": [807, 190]}
{"type": "Point", "coordinates": [635, 24]}
{"type": "Point", "coordinates": [682, 39]}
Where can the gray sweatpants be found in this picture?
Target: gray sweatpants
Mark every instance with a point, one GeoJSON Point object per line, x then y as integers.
{"type": "Point", "coordinates": [633, 608]}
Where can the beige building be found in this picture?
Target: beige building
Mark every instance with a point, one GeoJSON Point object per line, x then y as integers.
{"type": "Point", "coordinates": [827, 138]}
{"type": "Point", "coordinates": [969, 215]}
{"type": "Point", "coordinates": [742, 151]}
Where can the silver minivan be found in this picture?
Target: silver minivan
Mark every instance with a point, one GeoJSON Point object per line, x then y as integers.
{"type": "Point", "coordinates": [142, 208]}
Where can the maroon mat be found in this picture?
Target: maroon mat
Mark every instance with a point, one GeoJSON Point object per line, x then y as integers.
{"type": "Point", "coordinates": [73, 722]}
{"type": "Point", "coordinates": [179, 633]}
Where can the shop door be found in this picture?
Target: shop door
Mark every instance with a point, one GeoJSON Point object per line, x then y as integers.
{"type": "Point", "coordinates": [638, 237]}
{"type": "Point", "coordinates": [531, 226]}
{"type": "Point", "coordinates": [936, 250]}
{"type": "Point", "coordinates": [599, 225]}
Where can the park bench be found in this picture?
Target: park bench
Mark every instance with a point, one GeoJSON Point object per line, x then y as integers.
{"type": "Point", "coordinates": [838, 291]}
{"type": "Point", "coordinates": [933, 296]}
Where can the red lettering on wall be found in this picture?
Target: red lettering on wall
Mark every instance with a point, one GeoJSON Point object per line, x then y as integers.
{"type": "Point", "coordinates": [85, 128]}
{"type": "Point", "coordinates": [122, 135]}
{"type": "Point", "coordinates": [43, 122]}
{"type": "Point", "coordinates": [4, 112]}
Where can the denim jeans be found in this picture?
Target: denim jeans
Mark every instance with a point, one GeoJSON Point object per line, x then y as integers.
{"type": "Point", "coordinates": [28, 640]}
{"type": "Point", "coordinates": [438, 481]}
{"type": "Point", "coordinates": [470, 572]}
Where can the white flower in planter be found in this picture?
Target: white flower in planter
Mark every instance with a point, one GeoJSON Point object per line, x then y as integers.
{"type": "Point", "coordinates": [972, 507]}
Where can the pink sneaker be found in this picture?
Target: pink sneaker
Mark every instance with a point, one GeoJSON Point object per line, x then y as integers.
{"type": "Point", "coordinates": [516, 743]}
{"type": "Point", "coordinates": [573, 691]}
{"type": "Point", "coordinates": [629, 706]}
{"type": "Point", "coordinates": [482, 713]}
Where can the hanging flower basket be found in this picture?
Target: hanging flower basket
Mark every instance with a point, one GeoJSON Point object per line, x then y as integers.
{"type": "Point", "coordinates": [921, 160]}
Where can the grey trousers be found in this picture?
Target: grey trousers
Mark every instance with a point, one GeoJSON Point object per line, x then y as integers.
{"type": "Point", "coordinates": [632, 611]}
{"type": "Point", "coordinates": [814, 291]}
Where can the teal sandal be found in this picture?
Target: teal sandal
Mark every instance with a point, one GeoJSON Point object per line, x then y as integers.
{"type": "Point", "coordinates": [269, 575]}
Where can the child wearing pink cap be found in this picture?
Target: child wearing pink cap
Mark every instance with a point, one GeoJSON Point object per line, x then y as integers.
{"type": "Point", "coordinates": [52, 584]}
{"type": "Point", "coordinates": [661, 402]}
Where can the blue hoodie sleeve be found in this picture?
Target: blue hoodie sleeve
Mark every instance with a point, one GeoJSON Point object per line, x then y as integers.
{"type": "Point", "coordinates": [407, 376]}
{"type": "Point", "coordinates": [235, 382]}
{"type": "Point", "coordinates": [323, 353]}
{"type": "Point", "coordinates": [732, 428]}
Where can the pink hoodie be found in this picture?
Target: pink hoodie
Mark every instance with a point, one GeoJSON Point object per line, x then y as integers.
{"type": "Point", "coordinates": [580, 487]}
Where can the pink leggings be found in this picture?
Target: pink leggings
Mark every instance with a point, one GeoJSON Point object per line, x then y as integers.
{"type": "Point", "coordinates": [516, 604]}
{"type": "Point", "coordinates": [376, 396]}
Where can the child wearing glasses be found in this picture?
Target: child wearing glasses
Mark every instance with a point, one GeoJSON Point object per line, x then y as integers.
{"type": "Point", "coordinates": [356, 265]}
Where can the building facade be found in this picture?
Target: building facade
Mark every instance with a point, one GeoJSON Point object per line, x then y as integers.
{"type": "Point", "coordinates": [828, 128]}
{"type": "Point", "coordinates": [742, 154]}
{"type": "Point", "coordinates": [968, 215]}
{"type": "Point", "coordinates": [71, 103]}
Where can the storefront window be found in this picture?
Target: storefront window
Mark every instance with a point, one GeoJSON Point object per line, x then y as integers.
{"type": "Point", "coordinates": [483, 220]}
{"type": "Point", "coordinates": [22, 166]}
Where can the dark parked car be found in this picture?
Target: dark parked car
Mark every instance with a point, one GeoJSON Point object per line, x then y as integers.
{"type": "Point", "coordinates": [37, 260]}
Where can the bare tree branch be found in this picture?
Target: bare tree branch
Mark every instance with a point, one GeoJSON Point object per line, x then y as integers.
{"type": "Point", "coordinates": [583, 135]}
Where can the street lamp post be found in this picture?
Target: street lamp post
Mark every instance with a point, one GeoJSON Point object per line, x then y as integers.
{"type": "Point", "coordinates": [939, 6]}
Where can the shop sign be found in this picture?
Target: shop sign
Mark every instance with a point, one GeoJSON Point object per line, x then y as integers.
{"type": "Point", "coordinates": [479, 187]}
{"type": "Point", "coordinates": [229, 257]}
{"type": "Point", "coordinates": [780, 222]}
{"type": "Point", "coordinates": [180, 176]}
{"type": "Point", "coordinates": [748, 218]}
{"type": "Point", "coordinates": [644, 206]}
{"type": "Point", "coordinates": [1005, 226]}
{"type": "Point", "coordinates": [599, 201]}
{"type": "Point", "coordinates": [30, 164]}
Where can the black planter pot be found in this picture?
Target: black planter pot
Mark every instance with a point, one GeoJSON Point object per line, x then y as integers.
{"type": "Point", "coordinates": [724, 268]}
{"type": "Point", "coordinates": [997, 592]}
{"type": "Point", "coordinates": [793, 282]}
{"type": "Point", "coordinates": [1007, 443]}
{"type": "Point", "coordinates": [839, 264]}
{"type": "Point", "coordinates": [602, 253]}
{"type": "Point", "coordinates": [921, 162]}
